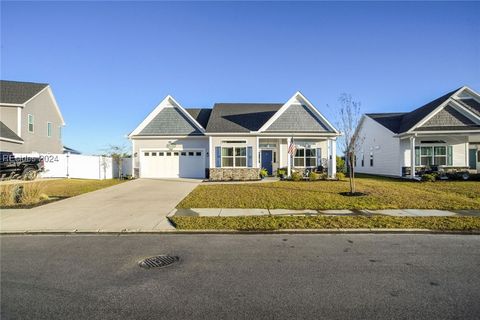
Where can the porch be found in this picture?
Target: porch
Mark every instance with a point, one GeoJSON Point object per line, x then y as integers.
{"type": "Point", "coordinates": [448, 152]}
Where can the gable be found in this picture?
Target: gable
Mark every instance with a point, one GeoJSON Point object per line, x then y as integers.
{"type": "Point", "coordinates": [448, 118]}
{"type": "Point", "coordinates": [297, 117]}
{"type": "Point", "coordinates": [170, 122]}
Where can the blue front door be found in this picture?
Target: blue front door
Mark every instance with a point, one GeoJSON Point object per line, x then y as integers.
{"type": "Point", "coordinates": [267, 160]}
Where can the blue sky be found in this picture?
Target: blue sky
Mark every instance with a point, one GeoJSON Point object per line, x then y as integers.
{"type": "Point", "coordinates": [110, 63]}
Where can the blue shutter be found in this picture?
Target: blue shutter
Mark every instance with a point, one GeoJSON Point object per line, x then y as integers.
{"type": "Point", "coordinates": [449, 155]}
{"type": "Point", "coordinates": [319, 157]}
{"type": "Point", "coordinates": [249, 157]}
{"type": "Point", "coordinates": [218, 157]}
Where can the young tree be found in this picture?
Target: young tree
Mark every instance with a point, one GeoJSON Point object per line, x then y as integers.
{"type": "Point", "coordinates": [349, 118]}
{"type": "Point", "coordinates": [117, 152]}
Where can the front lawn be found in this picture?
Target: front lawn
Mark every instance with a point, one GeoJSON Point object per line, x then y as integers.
{"type": "Point", "coordinates": [44, 191]}
{"type": "Point", "coordinates": [382, 193]}
{"type": "Point", "coordinates": [323, 222]}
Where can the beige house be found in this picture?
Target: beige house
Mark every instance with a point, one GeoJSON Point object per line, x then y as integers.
{"type": "Point", "coordinates": [30, 119]}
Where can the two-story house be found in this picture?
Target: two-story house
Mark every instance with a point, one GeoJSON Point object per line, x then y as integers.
{"type": "Point", "coordinates": [30, 119]}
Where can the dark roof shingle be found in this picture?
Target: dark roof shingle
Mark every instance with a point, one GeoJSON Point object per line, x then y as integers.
{"type": "Point", "coordinates": [7, 133]}
{"type": "Point", "coordinates": [202, 115]}
{"type": "Point", "coordinates": [16, 92]}
{"type": "Point", "coordinates": [402, 122]}
{"type": "Point", "coordinates": [240, 117]}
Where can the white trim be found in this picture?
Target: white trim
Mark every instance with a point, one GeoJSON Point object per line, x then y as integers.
{"type": "Point", "coordinates": [50, 92]}
{"type": "Point", "coordinates": [466, 112]}
{"type": "Point", "coordinates": [296, 97]}
{"type": "Point", "coordinates": [19, 122]}
{"type": "Point", "coordinates": [471, 92]}
{"type": "Point", "coordinates": [11, 140]}
{"type": "Point", "coordinates": [438, 133]}
{"type": "Point", "coordinates": [19, 105]}
{"type": "Point", "coordinates": [275, 134]}
{"type": "Point", "coordinates": [168, 101]}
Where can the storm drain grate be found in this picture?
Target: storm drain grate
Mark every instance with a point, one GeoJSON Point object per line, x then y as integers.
{"type": "Point", "coordinates": [158, 261]}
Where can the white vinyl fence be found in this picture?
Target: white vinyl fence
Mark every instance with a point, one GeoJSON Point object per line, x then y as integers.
{"type": "Point", "coordinates": [78, 166]}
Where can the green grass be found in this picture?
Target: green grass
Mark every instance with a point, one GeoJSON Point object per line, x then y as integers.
{"type": "Point", "coordinates": [323, 222]}
{"type": "Point", "coordinates": [382, 193]}
{"type": "Point", "coordinates": [52, 190]}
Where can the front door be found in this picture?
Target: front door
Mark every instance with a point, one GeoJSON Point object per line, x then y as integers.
{"type": "Point", "coordinates": [267, 160]}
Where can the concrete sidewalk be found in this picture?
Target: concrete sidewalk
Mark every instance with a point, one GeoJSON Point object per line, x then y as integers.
{"type": "Point", "coordinates": [223, 212]}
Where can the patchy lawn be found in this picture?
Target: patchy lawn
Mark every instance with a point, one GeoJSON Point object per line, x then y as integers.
{"type": "Point", "coordinates": [382, 193]}
{"type": "Point", "coordinates": [44, 191]}
{"type": "Point", "coordinates": [322, 222]}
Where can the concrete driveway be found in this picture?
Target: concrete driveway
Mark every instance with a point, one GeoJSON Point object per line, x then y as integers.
{"type": "Point", "coordinates": [141, 204]}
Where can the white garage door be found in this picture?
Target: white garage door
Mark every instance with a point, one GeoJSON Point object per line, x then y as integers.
{"type": "Point", "coordinates": [172, 164]}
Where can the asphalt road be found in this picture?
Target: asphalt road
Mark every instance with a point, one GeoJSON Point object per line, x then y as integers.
{"type": "Point", "coordinates": [241, 277]}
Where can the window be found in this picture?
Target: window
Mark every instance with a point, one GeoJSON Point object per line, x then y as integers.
{"type": "Point", "coordinates": [431, 155]}
{"type": "Point", "coordinates": [175, 154]}
{"type": "Point", "coordinates": [234, 156]}
{"type": "Point", "coordinates": [147, 154]}
{"type": "Point", "coordinates": [30, 123]}
{"type": "Point", "coordinates": [198, 154]}
{"type": "Point", "coordinates": [371, 159]}
{"type": "Point", "coordinates": [183, 154]}
{"type": "Point", "coordinates": [49, 129]}
{"type": "Point", "coordinates": [190, 154]}
{"type": "Point", "coordinates": [154, 154]}
{"type": "Point", "coordinates": [161, 154]}
{"type": "Point", "coordinates": [305, 158]}
{"type": "Point", "coordinates": [169, 154]}
{"type": "Point", "coordinates": [274, 157]}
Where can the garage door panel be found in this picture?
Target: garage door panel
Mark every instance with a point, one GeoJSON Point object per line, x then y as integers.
{"type": "Point", "coordinates": [172, 164]}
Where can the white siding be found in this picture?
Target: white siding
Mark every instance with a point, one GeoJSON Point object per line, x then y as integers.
{"type": "Point", "coordinates": [385, 147]}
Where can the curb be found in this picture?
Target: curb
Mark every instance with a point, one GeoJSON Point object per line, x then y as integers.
{"type": "Point", "coordinates": [215, 231]}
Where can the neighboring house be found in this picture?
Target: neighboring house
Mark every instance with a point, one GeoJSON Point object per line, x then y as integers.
{"type": "Point", "coordinates": [232, 141]}
{"type": "Point", "coordinates": [30, 119]}
{"type": "Point", "coordinates": [444, 132]}
{"type": "Point", "coordinates": [68, 150]}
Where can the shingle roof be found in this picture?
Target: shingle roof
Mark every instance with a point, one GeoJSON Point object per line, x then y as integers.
{"type": "Point", "coordinates": [402, 122]}
{"type": "Point", "coordinates": [410, 119]}
{"type": "Point", "coordinates": [202, 115]}
{"type": "Point", "coordinates": [391, 121]}
{"type": "Point", "coordinates": [19, 92]}
{"type": "Point", "coordinates": [472, 104]}
{"type": "Point", "coordinates": [7, 133]}
{"type": "Point", "coordinates": [170, 122]}
{"type": "Point", "coordinates": [240, 117]}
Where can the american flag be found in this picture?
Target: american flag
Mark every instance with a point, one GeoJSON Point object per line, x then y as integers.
{"type": "Point", "coordinates": [292, 148]}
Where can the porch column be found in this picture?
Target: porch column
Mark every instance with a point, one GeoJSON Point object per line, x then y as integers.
{"type": "Point", "coordinates": [329, 158]}
{"type": "Point", "coordinates": [333, 160]}
{"type": "Point", "coordinates": [412, 157]}
{"type": "Point", "coordinates": [289, 158]}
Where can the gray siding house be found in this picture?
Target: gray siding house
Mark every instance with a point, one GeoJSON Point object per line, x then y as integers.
{"type": "Point", "coordinates": [444, 132]}
{"type": "Point", "coordinates": [30, 119]}
{"type": "Point", "coordinates": [232, 141]}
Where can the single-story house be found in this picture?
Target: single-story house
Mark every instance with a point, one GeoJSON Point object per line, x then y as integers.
{"type": "Point", "coordinates": [444, 132]}
{"type": "Point", "coordinates": [31, 120]}
{"type": "Point", "coordinates": [232, 141]}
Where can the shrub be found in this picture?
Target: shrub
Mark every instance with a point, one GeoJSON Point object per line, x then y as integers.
{"type": "Point", "coordinates": [32, 193]}
{"type": "Point", "coordinates": [281, 172]}
{"type": "Point", "coordinates": [313, 176]}
{"type": "Point", "coordinates": [340, 176]}
{"type": "Point", "coordinates": [429, 177]}
{"type": "Point", "coordinates": [341, 165]}
{"type": "Point", "coordinates": [322, 176]}
{"type": "Point", "coordinates": [7, 195]}
{"type": "Point", "coordinates": [296, 176]}
{"type": "Point", "coordinates": [263, 173]}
